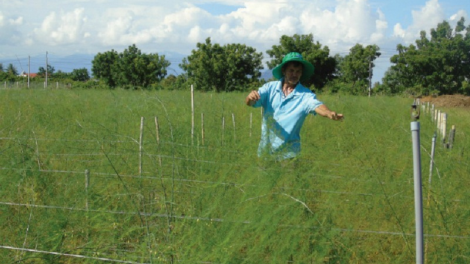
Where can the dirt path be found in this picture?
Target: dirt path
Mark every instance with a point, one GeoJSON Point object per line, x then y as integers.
{"type": "Point", "coordinates": [449, 101]}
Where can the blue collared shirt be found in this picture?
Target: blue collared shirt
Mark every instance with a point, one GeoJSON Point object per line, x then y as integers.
{"type": "Point", "coordinates": [283, 117]}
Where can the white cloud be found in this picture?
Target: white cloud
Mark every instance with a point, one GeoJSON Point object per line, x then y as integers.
{"type": "Point", "coordinates": [381, 25]}
{"type": "Point", "coordinates": [350, 22]}
{"type": "Point", "coordinates": [178, 26]}
{"type": "Point", "coordinates": [456, 17]}
{"type": "Point", "coordinates": [66, 28]}
{"type": "Point", "coordinates": [424, 19]}
{"type": "Point", "coordinates": [398, 31]}
{"type": "Point", "coordinates": [9, 29]}
{"type": "Point", "coordinates": [17, 22]}
{"type": "Point", "coordinates": [86, 26]}
{"type": "Point", "coordinates": [169, 28]}
{"type": "Point", "coordinates": [189, 24]}
{"type": "Point", "coordinates": [263, 23]}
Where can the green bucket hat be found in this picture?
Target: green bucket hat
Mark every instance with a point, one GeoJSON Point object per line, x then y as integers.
{"type": "Point", "coordinates": [294, 56]}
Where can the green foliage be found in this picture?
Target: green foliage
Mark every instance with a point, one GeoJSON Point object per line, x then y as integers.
{"type": "Point", "coordinates": [466, 88]}
{"type": "Point", "coordinates": [131, 68]}
{"type": "Point", "coordinates": [204, 196]}
{"type": "Point", "coordinates": [60, 75]}
{"type": "Point", "coordinates": [357, 66]}
{"type": "Point", "coordinates": [222, 68]}
{"type": "Point", "coordinates": [173, 82]}
{"type": "Point", "coordinates": [42, 71]}
{"type": "Point", "coordinates": [80, 75]}
{"type": "Point", "coordinates": [441, 63]}
{"type": "Point", "coordinates": [346, 88]}
{"type": "Point", "coordinates": [137, 69]}
{"type": "Point", "coordinates": [438, 63]}
{"type": "Point", "coordinates": [12, 70]}
{"type": "Point", "coordinates": [103, 67]}
{"type": "Point", "coordinates": [7, 77]}
{"type": "Point", "coordinates": [325, 65]}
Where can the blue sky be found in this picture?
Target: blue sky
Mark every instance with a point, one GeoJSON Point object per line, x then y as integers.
{"type": "Point", "coordinates": [73, 31]}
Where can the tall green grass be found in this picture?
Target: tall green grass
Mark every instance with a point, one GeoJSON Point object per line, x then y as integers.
{"type": "Point", "coordinates": [347, 199]}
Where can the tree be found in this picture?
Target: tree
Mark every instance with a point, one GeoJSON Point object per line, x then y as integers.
{"type": "Point", "coordinates": [11, 70]}
{"type": "Point", "coordinates": [222, 68]}
{"type": "Point", "coordinates": [42, 71]}
{"type": "Point", "coordinates": [80, 75]}
{"type": "Point", "coordinates": [3, 75]}
{"type": "Point", "coordinates": [325, 66]}
{"type": "Point", "coordinates": [10, 74]}
{"type": "Point", "coordinates": [356, 67]}
{"type": "Point", "coordinates": [61, 75]}
{"type": "Point", "coordinates": [129, 68]}
{"type": "Point", "coordinates": [139, 69]}
{"type": "Point", "coordinates": [440, 64]}
{"type": "Point", "coordinates": [104, 67]}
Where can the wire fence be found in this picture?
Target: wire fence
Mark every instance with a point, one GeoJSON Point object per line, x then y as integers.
{"type": "Point", "coordinates": [24, 84]}
{"type": "Point", "coordinates": [96, 162]}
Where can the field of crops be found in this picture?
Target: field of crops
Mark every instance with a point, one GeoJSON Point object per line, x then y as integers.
{"type": "Point", "coordinates": [90, 176]}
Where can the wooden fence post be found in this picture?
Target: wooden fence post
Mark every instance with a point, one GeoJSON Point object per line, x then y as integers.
{"type": "Point", "coordinates": [251, 123]}
{"type": "Point", "coordinates": [444, 125]}
{"type": "Point", "coordinates": [141, 144]}
{"type": "Point", "coordinates": [202, 128]}
{"type": "Point", "coordinates": [451, 137]}
{"type": "Point", "coordinates": [87, 184]}
{"type": "Point", "coordinates": [157, 130]}
{"type": "Point", "coordinates": [438, 117]}
{"type": "Point", "coordinates": [233, 122]}
{"type": "Point", "coordinates": [433, 150]}
{"type": "Point", "coordinates": [432, 113]}
{"type": "Point", "coordinates": [223, 129]}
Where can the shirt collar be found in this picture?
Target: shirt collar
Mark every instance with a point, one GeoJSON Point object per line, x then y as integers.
{"type": "Point", "coordinates": [279, 87]}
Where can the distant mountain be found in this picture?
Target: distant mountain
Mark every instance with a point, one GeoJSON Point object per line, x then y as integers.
{"type": "Point", "coordinates": [64, 63]}
{"type": "Point", "coordinates": [266, 74]}
{"type": "Point", "coordinates": [72, 62]}
{"type": "Point", "coordinates": [79, 61]}
{"type": "Point", "coordinates": [175, 59]}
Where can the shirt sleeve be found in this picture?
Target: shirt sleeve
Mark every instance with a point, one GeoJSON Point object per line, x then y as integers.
{"type": "Point", "coordinates": [263, 93]}
{"type": "Point", "coordinates": [312, 104]}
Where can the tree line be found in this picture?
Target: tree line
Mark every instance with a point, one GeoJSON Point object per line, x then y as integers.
{"type": "Point", "coordinates": [11, 74]}
{"type": "Point", "coordinates": [435, 64]}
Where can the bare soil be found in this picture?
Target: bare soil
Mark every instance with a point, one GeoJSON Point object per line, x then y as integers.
{"type": "Point", "coordinates": [451, 101]}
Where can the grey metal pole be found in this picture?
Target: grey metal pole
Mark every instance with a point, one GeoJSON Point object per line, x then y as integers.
{"type": "Point", "coordinates": [418, 189]}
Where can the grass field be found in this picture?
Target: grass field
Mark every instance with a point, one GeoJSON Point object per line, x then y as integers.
{"type": "Point", "coordinates": [206, 197]}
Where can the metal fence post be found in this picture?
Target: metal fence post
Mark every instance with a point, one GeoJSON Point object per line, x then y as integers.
{"type": "Point", "coordinates": [415, 130]}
